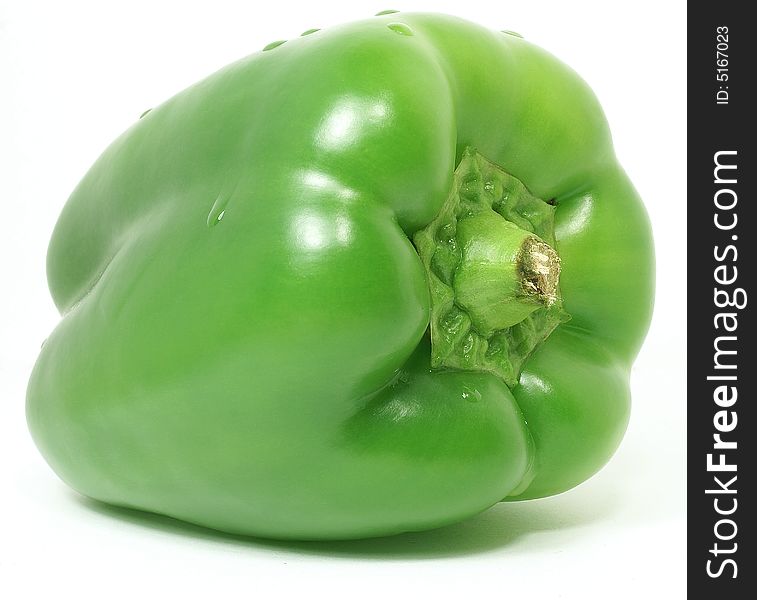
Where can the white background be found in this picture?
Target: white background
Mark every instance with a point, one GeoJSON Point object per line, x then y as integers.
{"type": "Point", "coordinates": [73, 75]}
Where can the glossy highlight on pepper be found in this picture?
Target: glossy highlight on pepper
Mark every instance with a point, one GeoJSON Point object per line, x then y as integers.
{"type": "Point", "coordinates": [373, 279]}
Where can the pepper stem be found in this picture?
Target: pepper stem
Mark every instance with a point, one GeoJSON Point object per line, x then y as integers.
{"type": "Point", "coordinates": [505, 273]}
{"type": "Point", "coordinates": [540, 266]}
{"type": "Point", "coordinates": [493, 272]}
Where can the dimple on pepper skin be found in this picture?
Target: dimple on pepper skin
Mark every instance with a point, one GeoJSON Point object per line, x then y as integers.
{"type": "Point", "coordinates": [373, 279]}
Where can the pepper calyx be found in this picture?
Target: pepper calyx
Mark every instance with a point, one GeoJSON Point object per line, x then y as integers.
{"type": "Point", "coordinates": [493, 272]}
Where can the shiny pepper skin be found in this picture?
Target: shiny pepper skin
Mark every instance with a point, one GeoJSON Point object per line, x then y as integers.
{"type": "Point", "coordinates": [244, 341]}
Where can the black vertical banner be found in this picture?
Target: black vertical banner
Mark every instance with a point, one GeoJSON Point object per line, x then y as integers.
{"type": "Point", "coordinates": [722, 266]}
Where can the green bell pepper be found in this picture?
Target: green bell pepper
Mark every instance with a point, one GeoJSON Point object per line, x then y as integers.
{"type": "Point", "coordinates": [374, 279]}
